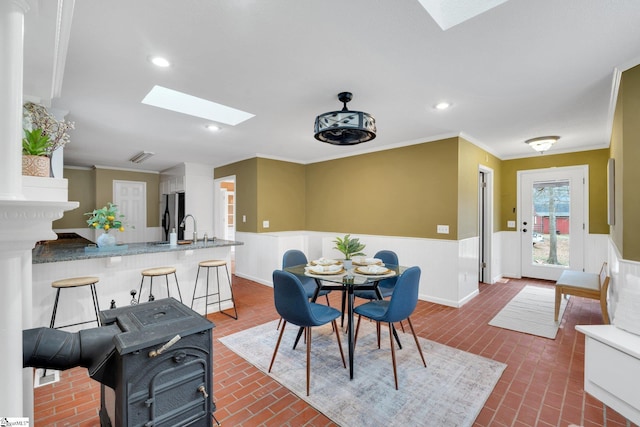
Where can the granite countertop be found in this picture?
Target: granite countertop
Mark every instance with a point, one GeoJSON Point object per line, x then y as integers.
{"type": "Point", "coordinates": [71, 249]}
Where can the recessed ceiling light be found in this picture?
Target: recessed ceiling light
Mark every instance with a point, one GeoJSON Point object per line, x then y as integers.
{"type": "Point", "coordinates": [442, 105]}
{"type": "Point", "coordinates": [188, 104]}
{"type": "Point", "coordinates": [213, 128]}
{"type": "Point", "coordinates": [160, 61]}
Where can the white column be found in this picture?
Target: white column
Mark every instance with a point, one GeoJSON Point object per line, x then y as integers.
{"type": "Point", "coordinates": [22, 224]}
{"type": "Point", "coordinates": [11, 65]}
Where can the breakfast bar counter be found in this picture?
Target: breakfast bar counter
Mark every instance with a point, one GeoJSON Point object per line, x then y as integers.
{"type": "Point", "coordinates": [119, 272]}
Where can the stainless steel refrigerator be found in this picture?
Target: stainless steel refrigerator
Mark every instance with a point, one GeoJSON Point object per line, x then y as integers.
{"type": "Point", "coordinates": [172, 213]}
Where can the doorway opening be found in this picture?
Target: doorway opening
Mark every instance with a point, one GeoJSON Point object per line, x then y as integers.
{"type": "Point", "coordinates": [225, 212]}
{"type": "Point", "coordinates": [485, 223]}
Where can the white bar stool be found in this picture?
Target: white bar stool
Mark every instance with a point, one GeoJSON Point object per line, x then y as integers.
{"type": "Point", "coordinates": [75, 282]}
{"type": "Point", "coordinates": [214, 263]}
{"type": "Point", "coordinates": [155, 272]}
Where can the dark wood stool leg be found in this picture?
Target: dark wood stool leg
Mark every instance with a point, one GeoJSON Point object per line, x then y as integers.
{"type": "Point", "coordinates": [55, 309]}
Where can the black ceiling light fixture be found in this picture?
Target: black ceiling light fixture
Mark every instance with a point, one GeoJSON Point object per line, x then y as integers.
{"type": "Point", "coordinates": [345, 127]}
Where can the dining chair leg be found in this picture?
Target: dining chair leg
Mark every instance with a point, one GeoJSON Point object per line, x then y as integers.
{"type": "Point", "coordinates": [378, 332]}
{"type": "Point", "coordinates": [273, 359]}
{"type": "Point", "coordinates": [393, 355]}
{"type": "Point", "coordinates": [307, 335]}
{"type": "Point", "coordinates": [355, 336]}
{"type": "Point", "coordinates": [344, 363]}
{"type": "Point", "coordinates": [415, 337]}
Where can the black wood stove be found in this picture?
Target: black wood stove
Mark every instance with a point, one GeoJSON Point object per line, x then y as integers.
{"type": "Point", "coordinates": [154, 361]}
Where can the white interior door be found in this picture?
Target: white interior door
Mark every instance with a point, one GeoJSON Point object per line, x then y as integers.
{"type": "Point", "coordinates": [131, 198]}
{"type": "Point", "coordinates": [553, 220]}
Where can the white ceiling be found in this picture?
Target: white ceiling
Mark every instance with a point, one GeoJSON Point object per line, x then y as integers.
{"type": "Point", "coordinates": [520, 70]}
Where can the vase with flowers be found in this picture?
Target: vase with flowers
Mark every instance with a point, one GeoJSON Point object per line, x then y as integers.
{"type": "Point", "coordinates": [107, 219]}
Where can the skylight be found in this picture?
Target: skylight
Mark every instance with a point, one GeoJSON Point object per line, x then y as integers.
{"type": "Point", "coordinates": [449, 13]}
{"type": "Point", "coordinates": [188, 104]}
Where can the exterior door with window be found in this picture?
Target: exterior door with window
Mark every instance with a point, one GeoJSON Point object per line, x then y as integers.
{"type": "Point", "coordinates": [552, 220]}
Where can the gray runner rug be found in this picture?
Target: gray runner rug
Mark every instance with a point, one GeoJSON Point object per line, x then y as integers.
{"type": "Point", "coordinates": [450, 391]}
{"type": "Point", "coordinates": [531, 312]}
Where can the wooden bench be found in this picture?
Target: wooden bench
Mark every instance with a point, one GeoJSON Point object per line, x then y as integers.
{"type": "Point", "coordinates": [586, 285]}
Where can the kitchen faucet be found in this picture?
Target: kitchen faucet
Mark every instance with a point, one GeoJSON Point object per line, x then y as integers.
{"type": "Point", "coordinates": [195, 226]}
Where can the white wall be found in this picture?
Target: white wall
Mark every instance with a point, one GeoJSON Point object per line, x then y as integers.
{"type": "Point", "coordinates": [595, 252]}
{"type": "Point", "coordinates": [624, 274]}
{"type": "Point", "coordinates": [449, 268]}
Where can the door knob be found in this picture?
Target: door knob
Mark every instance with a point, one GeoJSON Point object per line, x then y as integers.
{"type": "Point", "coordinates": [524, 230]}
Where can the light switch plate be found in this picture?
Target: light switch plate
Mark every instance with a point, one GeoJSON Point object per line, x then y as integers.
{"type": "Point", "coordinates": [511, 224]}
{"type": "Point", "coordinates": [265, 224]}
{"type": "Point", "coordinates": [443, 229]}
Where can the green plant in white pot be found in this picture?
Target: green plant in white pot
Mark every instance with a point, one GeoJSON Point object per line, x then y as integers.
{"type": "Point", "coordinates": [349, 248]}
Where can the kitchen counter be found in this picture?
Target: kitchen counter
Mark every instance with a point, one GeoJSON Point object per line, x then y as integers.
{"type": "Point", "coordinates": [72, 249]}
{"type": "Point", "coordinates": [119, 271]}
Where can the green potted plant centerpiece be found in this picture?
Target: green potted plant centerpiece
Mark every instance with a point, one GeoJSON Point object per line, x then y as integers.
{"type": "Point", "coordinates": [35, 159]}
{"type": "Point", "coordinates": [349, 248]}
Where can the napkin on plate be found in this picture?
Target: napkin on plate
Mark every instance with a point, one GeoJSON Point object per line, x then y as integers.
{"type": "Point", "coordinates": [376, 269]}
{"type": "Point", "coordinates": [325, 268]}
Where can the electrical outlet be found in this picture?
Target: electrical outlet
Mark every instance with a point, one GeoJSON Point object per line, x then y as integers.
{"type": "Point", "coordinates": [443, 229]}
{"type": "Point", "coordinates": [265, 224]}
{"type": "Point", "coordinates": [511, 224]}
{"type": "Point", "coordinates": [244, 218]}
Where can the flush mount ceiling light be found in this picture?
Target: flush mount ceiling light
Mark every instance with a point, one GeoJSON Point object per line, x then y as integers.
{"type": "Point", "coordinates": [543, 143]}
{"type": "Point", "coordinates": [141, 156]}
{"type": "Point", "coordinates": [213, 128]}
{"type": "Point", "coordinates": [442, 105]}
{"type": "Point", "coordinates": [345, 127]}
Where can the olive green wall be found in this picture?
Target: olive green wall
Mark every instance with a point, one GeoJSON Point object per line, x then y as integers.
{"type": "Point", "coordinates": [281, 195]}
{"type": "Point", "coordinates": [104, 190]}
{"type": "Point", "coordinates": [400, 192]}
{"type": "Point", "coordinates": [615, 152]}
{"type": "Point", "coordinates": [81, 188]}
{"type": "Point", "coordinates": [627, 164]}
{"type": "Point", "coordinates": [246, 173]}
{"type": "Point", "coordinates": [405, 191]}
{"type": "Point", "coordinates": [597, 161]}
{"type": "Point", "coordinates": [94, 189]}
{"type": "Point", "coordinates": [470, 158]}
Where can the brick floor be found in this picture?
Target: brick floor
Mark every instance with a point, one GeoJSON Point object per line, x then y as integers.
{"type": "Point", "coordinates": [542, 385]}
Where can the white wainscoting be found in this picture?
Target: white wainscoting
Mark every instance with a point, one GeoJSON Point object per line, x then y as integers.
{"type": "Point", "coordinates": [595, 252]}
{"type": "Point", "coordinates": [624, 274]}
{"type": "Point", "coordinates": [449, 268]}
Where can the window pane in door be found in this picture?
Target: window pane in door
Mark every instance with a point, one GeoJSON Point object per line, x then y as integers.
{"type": "Point", "coordinates": [550, 220]}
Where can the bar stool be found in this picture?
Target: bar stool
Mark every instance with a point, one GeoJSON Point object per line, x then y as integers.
{"type": "Point", "coordinates": [214, 263]}
{"type": "Point", "coordinates": [75, 282]}
{"type": "Point", "coordinates": [155, 272]}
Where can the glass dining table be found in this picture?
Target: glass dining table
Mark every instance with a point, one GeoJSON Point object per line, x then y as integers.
{"type": "Point", "coordinates": [348, 281]}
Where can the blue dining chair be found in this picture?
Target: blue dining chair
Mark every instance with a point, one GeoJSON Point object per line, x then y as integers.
{"type": "Point", "coordinates": [384, 286]}
{"type": "Point", "coordinates": [401, 305]}
{"type": "Point", "coordinates": [293, 306]}
{"type": "Point", "coordinates": [294, 257]}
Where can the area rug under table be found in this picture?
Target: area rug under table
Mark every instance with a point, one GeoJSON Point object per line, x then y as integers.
{"type": "Point", "coordinates": [531, 312]}
{"type": "Point", "coordinates": [450, 391]}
